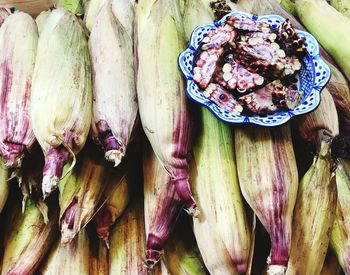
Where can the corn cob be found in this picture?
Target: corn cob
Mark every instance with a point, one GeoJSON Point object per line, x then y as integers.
{"type": "Point", "coordinates": [161, 203]}
{"type": "Point", "coordinates": [41, 19]}
{"type": "Point", "coordinates": [33, 7]}
{"type": "Point", "coordinates": [181, 254]}
{"type": "Point", "coordinates": [313, 216]}
{"type": "Point", "coordinates": [28, 239]}
{"type": "Point", "coordinates": [115, 203]}
{"type": "Point", "coordinates": [98, 263]}
{"type": "Point", "coordinates": [340, 233]}
{"type": "Point", "coordinates": [4, 187]}
{"type": "Point", "coordinates": [268, 179]}
{"type": "Point", "coordinates": [61, 98]}
{"type": "Point", "coordinates": [327, 25]}
{"type": "Point", "coordinates": [4, 13]}
{"type": "Point", "coordinates": [18, 43]}
{"type": "Point", "coordinates": [215, 185]}
{"type": "Point", "coordinates": [342, 6]}
{"type": "Point", "coordinates": [81, 191]}
{"type": "Point", "coordinates": [331, 265]}
{"type": "Point", "coordinates": [92, 12]}
{"type": "Point", "coordinates": [70, 259]}
{"type": "Point", "coordinates": [115, 106]}
{"type": "Point", "coordinates": [160, 89]}
{"type": "Point", "coordinates": [127, 248]}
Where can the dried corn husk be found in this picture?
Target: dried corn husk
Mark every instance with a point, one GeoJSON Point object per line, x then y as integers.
{"type": "Point", "coordinates": [33, 7]}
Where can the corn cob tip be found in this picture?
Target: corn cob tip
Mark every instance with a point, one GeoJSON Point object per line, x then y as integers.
{"type": "Point", "coordinates": [67, 223]}
{"type": "Point", "coordinates": [103, 221]}
{"type": "Point", "coordinates": [193, 211]}
{"type": "Point", "coordinates": [115, 156]}
{"type": "Point", "coordinates": [276, 270]}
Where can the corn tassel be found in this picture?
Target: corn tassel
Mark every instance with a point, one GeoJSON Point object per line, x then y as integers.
{"type": "Point", "coordinates": [114, 205]}
{"type": "Point", "coordinates": [4, 187]}
{"type": "Point", "coordinates": [18, 44]}
{"type": "Point", "coordinates": [127, 248]}
{"type": "Point", "coordinates": [331, 265]}
{"type": "Point", "coordinates": [268, 179]}
{"type": "Point", "coordinates": [161, 203]}
{"type": "Point", "coordinates": [4, 13]}
{"type": "Point", "coordinates": [181, 254]}
{"type": "Point", "coordinates": [33, 7]}
{"type": "Point", "coordinates": [327, 25]}
{"type": "Point", "coordinates": [28, 239]}
{"type": "Point", "coordinates": [342, 6]}
{"type": "Point", "coordinates": [115, 107]}
{"type": "Point", "coordinates": [41, 20]}
{"type": "Point", "coordinates": [70, 259]}
{"type": "Point", "coordinates": [340, 241]}
{"type": "Point", "coordinates": [98, 263]}
{"type": "Point", "coordinates": [313, 216]}
{"type": "Point", "coordinates": [61, 98]}
{"type": "Point", "coordinates": [160, 89]}
{"type": "Point", "coordinates": [81, 191]}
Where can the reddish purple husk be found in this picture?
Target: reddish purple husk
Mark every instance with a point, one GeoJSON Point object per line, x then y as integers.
{"type": "Point", "coordinates": [103, 221]}
{"type": "Point", "coordinates": [162, 225]}
{"type": "Point", "coordinates": [106, 138]}
{"type": "Point", "coordinates": [55, 160]}
{"type": "Point", "coordinates": [67, 222]}
{"type": "Point", "coordinates": [13, 154]}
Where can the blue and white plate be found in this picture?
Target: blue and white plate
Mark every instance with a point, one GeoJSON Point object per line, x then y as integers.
{"type": "Point", "coordinates": [312, 77]}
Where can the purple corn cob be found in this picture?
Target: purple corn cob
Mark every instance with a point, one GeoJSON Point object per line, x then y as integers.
{"type": "Point", "coordinates": [219, 37]}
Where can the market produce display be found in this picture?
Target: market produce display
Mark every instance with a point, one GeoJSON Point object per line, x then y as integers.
{"type": "Point", "coordinates": [106, 167]}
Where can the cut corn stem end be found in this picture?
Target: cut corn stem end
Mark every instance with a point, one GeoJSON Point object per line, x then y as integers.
{"type": "Point", "coordinates": [55, 160]}
{"type": "Point", "coordinates": [13, 155]}
{"type": "Point", "coordinates": [115, 156]}
{"type": "Point", "coordinates": [276, 270]}
{"type": "Point", "coordinates": [153, 252]}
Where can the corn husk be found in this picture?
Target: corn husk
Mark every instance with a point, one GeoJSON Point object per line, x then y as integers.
{"type": "Point", "coordinates": [115, 200]}
{"type": "Point", "coordinates": [98, 263]}
{"type": "Point", "coordinates": [327, 25]}
{"type": "Point", "coordinates": [331, 265]}
{"type": "Point", "coordinates": [313, 216]}
{"type": "Point", "coordinates": [70, 259]}
{"type": "Point", "coordinates": [92, 12]}
{"type": "Point", "coordinates": [340, 233]}
{"type": "Point", "coordinates": [181, 253]}
{"type": "Point", "coordinates": [268, 179]}
{"type": "Point", "coordinates": [160, 89]}
{"type": "Point", "coordinates": [342, 6]}
{"type": "Point", "coordinates": [33, 7]}
{"type": "Point", "coordinates": [321, 124]}
{"type": "Point", "coordinates": [162, 205]}
{"type": "Point", "coordinates": [41, 20]}
{"type": "Point", "coordinates": [4, 13]}
{"type": "Point", "coordinates": [127, 245]}
{"type": "Point", "coordinates": [81, 191]}
{"type": "Point", "coordinates": [74, 6]}
{"type": "Point", "coordinates": [61, 98]}
{"type": "Point", "coordinates": [115, 107]}
{"type": "Point", "coordinates": [18, 43]}
{"type": "Point", "coordinates": [4, 187]}
{"type": "Point", "coordinates": [28, 238]}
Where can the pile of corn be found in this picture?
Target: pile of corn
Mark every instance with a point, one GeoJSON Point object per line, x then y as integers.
{"type": "Point", "coordinates": [101, 151]}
